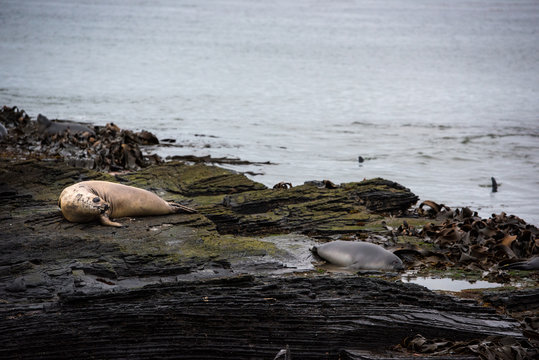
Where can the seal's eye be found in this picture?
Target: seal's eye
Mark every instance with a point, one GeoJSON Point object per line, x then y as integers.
{"type": "Point", "coordinates": [96, 199]}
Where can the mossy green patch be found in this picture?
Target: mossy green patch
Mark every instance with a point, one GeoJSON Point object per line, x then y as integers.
{"type": "Point", "coordinates": [225, 247]}
{"type": "Point", "coordinates": [209, 200]}
{"type": "Point", "coordinates": [304, 208]}
{"type": "Point", "coordinates": [178, 243]}
{"type": "Point", "coordinates": [395, 222]}
{"type": "Point", "coordinates": [415, 240]}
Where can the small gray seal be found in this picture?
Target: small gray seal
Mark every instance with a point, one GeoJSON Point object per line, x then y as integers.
{"type": "Point", "coordinates": [531, 264]}
{"type": "Point", "coordinates": [358, 255]}
{"type": "Point", "coordinates": [101, 200]}
{"type": "Point", "coordinates": [58, 127]}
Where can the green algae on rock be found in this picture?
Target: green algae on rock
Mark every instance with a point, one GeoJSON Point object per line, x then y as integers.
{"type": "Point", "coordinates": [309, 209]}
{"type": "Point", "coordinates": [176, 178]}
{"type": "Point", "coordinates": [234, 212]}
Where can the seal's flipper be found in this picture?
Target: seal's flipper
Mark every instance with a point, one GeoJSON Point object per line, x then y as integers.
{"type": "Point", "coordinates": [104, 220]}
{"type": "Point", "coordinates": [180, 208]}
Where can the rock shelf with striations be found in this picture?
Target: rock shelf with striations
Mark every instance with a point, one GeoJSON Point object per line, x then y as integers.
{"type": "Point", "coordinates": [242, 317]}
{"type": "Point", "coordinates": [205, 285]}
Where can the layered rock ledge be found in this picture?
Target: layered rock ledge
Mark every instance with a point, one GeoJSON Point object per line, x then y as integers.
{"type": "Point", "coordinates": [235, 280]}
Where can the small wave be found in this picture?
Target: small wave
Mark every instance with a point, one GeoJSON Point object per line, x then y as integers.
{"type": "Point", "coordinates": [468, 139]}
{"type": "Point", "coordinates": [422, 155]}
{"type": "Point", "coordinates": [457, 158]}
{"type": "Point", "coordinates": [368, 124]}
{"type": "Point", "coordinates": [428, 126]}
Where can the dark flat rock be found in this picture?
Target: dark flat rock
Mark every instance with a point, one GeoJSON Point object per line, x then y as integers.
{"type": "Point", "coordinates": [242, 317]}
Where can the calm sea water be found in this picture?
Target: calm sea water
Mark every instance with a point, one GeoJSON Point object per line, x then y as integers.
{"type": "Point", "coordinates": [436, 95]}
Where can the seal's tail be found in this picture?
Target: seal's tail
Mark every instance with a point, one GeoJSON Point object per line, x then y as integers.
{"type": "Point", "coordinates": [181, 208]}
{"type": "Point", "coordinates": [531, 264]}
{"type": "Point", "coordinates": [314, 252]}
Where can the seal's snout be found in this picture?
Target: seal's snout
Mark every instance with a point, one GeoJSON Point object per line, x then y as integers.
{"type": "Point", "coordinates": [104, 208]}
{"type": "Point", "coordinates": [397, 264]}
{"type": "Point", "coordinates": [43, 121]}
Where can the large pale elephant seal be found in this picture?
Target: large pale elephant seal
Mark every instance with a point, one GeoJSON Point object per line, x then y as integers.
{"type": "Point", "coordinates": [358, 255]}
{"type": "Point", "coordinates": [102, 200]}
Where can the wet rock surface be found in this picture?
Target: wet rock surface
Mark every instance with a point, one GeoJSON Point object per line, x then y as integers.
{"type": "Point", "coordinates": [235, 280]}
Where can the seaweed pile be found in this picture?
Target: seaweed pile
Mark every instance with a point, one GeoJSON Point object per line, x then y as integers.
{"type": "Point", "coordinates": [461, 237]}
{"type": "Point", "coordinates": [492, 347]}
{"type": "Point", "coordinates": [95, 147]}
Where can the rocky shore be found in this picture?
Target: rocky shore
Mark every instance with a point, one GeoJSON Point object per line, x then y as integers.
{"type": "Point", "coordinates": [237, 279]}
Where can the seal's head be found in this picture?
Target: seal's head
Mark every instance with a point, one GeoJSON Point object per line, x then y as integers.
{"type": "Point", "coordinates": [386, 261]}
{"type": "Point", "coordinates": [43, 122]}
{"type": "Point", "coordinates": [80, 205]}
{"type": "Point", "coordinates": [395, 264]}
